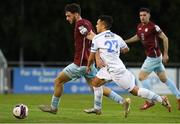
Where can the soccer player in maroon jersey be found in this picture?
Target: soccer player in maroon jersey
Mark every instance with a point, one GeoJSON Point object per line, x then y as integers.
{"type": "Point", "coordinates": [149, 33]}
{"type": "Point", "coordinates": [83, 34]}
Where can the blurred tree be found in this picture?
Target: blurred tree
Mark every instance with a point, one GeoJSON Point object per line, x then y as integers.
{"type": "Point", "coordinates": [39, 27]}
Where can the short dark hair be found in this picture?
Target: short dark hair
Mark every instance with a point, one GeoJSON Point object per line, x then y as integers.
{"type": "Point", "coordinates": [144, 9]}
{"type": "Point", "coordinates": [73, 8]}
{"type": "Point", "coordinates": [107, 19]}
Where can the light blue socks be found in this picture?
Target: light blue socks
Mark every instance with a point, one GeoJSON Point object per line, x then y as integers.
{"type": "Point", "coordinates": [146, 84]}
{"type": "Point", "coordinates": [145, 93]}
{"type": "Point", "coordinates": [98, 95]}
{"type": "Point", "coordinates": [115, 97]}
{"type": "Point", "coordinates": [55, 102]}
{"type": "Point", "coordinates": [173, 88]}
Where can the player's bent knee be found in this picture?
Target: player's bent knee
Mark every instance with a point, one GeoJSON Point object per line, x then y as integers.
{"type": "Point", "coordinates": [96, 82]}
{"type": "Point", "coordinates": [61, 79]}
{"type": "Point", "coordinates": [164, 80]}
{"type": "Point", "coordinates": [134, 91]}
{"type": "Point", "coordinates": [58, 81]}
{"type": "Point", "coordinates": [141, 78]}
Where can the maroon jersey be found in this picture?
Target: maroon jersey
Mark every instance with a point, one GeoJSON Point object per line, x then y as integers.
{"type": "Point", "coordinates": [148, 33]}
{"type": "Point", "coordinates": [82, 44]}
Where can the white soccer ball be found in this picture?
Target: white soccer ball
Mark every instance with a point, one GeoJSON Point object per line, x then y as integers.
{"type": "Point", "coordinates": [20, 111]}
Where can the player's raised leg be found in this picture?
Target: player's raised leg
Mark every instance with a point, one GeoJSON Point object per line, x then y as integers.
{"type": "Point", "coordinates": [145, 93]}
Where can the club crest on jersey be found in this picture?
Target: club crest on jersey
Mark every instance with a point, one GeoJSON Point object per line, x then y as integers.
{"type": "Point", "coordinates": [146, 29]}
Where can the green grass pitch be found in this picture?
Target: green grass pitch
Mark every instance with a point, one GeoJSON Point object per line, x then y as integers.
{"type": "Point", "coordinates": [72, 105]}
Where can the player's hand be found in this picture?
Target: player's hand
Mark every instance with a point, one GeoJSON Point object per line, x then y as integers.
{"type": "Point", "coordinates": [100, 63]}
{"type": "Point", "coordinates": [124, 50]}
{"type": "Point", "coordinates": [165, 58]}
{"type": "Point", "coordinates": [90, 35]}
{"type": "Point", "coordinates": [88, 70]}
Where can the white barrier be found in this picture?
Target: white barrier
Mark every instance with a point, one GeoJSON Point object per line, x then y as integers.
{"type": "Point", "coordinates": [156, 85]}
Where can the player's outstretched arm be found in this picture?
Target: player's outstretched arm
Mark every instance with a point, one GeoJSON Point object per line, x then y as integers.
{"type": "Point", "coordinates": [165, 46]}
{"type": "Point", "coordinates": [135, 38]}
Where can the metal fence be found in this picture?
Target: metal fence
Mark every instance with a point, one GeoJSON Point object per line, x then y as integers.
{"type": "Point", "coordinates": [3, 74]}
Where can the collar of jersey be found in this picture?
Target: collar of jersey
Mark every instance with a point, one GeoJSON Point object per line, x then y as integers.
{"type": "Point", "coordinates": [102, 33]}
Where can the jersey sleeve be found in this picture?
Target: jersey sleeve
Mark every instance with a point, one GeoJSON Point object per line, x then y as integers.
{"type": "Point", "coordinates": [122, 44]}
{"type": "Point", "coordinates": [157, 29]}
{"type": "Point", "coordinates": [94, 46]}
{"type": "Point", "coordinates": [84, 29]}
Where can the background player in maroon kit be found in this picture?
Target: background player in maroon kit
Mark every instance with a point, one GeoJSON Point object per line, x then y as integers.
{"type": "Point", "coordinates": [83, 34]}
{"type": "Point", "coordinates": [149, 33]}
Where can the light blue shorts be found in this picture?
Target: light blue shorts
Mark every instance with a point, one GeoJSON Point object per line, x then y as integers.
{"type": "Point", "coordinates": [153, 64]}
{"type": "Point", "coordinates": [74, 71]}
